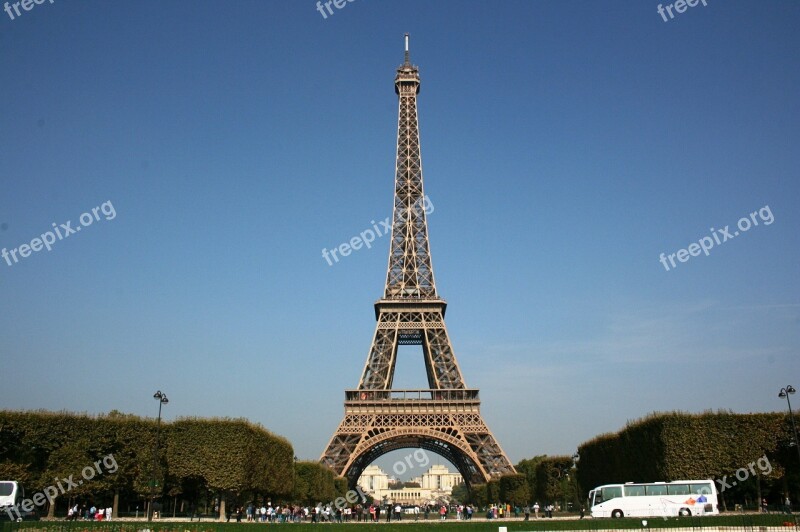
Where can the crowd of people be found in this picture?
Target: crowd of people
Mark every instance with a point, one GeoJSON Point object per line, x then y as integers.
{"type": "Point", "coordinates": [322, 513]}
{"type": "Point", "coordinates": [329, 513]}
{"type": "Point", "coordinates": [88, 513]}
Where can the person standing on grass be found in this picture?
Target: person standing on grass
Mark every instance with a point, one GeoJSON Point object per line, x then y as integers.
{"type": "Point", "coordinates": [527, 512]}
{"type": "Point", "coordinates": [787, 506]}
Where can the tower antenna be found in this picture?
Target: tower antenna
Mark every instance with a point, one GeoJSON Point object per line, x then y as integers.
{"type": "Point", "coordinates": [407, 56]}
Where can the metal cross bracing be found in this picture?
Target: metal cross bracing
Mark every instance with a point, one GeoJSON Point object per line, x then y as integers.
{"type": "Point", "coordinates": [445, 417]}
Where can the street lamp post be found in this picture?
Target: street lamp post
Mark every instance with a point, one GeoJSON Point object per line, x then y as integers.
{"type": "Point", "coordinates": [563, 476]}
{"type": "Point", "coordinates": [785, 393]}
{"type": "Point", "coordinates": [575, 459]}
{"type": "Point", "coordinates": [565, 480]}
{"type": "Point", "coordinates": [162, 400]}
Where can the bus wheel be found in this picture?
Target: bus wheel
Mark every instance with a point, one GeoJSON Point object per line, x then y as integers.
{"type": "Point", "coordinates": [684, 512]}
{"type": "Point", "coordinates": [617, 514]}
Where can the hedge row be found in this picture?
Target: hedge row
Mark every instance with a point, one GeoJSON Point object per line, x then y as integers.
{"type": "Point", "coordinates": [198, 459]}
{"type": "Point", "coordinates": [675, 446]}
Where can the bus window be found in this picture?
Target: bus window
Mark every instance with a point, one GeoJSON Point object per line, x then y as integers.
{"type": "Point", "coordinates": [678, 489]}
{"type": "Point", "coordinates": [634, 491]}
{"type": "Point", "coordinates": [612, 492]}
{"type": "Point", "coordinates": [660, 489]}
{"type": "Point", "coordinates": [701, 489]}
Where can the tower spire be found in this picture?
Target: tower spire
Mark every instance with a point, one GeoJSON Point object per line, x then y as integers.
{"type": "Point", "coordinates": [410, 272]}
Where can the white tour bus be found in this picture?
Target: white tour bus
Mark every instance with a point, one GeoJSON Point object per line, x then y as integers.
{"type": "Point", "coordinates": [654, 499]}
{"type": "Point", "coordinates": [10, 495]}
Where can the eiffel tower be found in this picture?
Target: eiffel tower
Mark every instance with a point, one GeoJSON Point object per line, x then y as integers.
{"type": "Point", "coordinates": [445, 418]}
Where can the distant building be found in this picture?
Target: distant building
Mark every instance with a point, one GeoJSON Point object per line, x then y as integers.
{"type": "Point", "coordinates": [373, 479]}
{"type": "Point", "coordinates": [439, 478]}
{"type": "Point", "coordinates": [436, 483]}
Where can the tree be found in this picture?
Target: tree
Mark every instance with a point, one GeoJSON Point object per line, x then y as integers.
{"type": "Point", "coordinates": [314, 483]}
{"type": "Point", "coordinates": [476, 494]}
{"type": "Point", "coordinates": [233, 457]}
{"type": "Point", "coordinates": [514, 489]}
{"type": "Point", "coordinates": [461, 493]}
{"type": "Point", "coordinates": [527, 467]}
{"type": "Point", "coordinates": [13, 471]}
{"type": "Point", "coordinates": [493, 491]}
{"type": "Point", "coordinates": [552, 483]}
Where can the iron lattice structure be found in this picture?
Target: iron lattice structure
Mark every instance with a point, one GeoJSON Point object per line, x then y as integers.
{"type": "Point", "coordinates": [445, 418]}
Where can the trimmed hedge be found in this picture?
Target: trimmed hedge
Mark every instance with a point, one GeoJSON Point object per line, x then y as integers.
{"type": "Point", "coordinates": [675, 446]}
{"type": "Point", "coordinates": [197, 458]}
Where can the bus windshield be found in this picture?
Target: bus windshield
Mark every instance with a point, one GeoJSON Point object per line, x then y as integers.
{"type": "Point", "coordinates": [6, 489]}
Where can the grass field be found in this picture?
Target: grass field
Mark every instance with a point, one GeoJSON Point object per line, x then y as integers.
{"type": "Point", "coordinates": [730, 522]}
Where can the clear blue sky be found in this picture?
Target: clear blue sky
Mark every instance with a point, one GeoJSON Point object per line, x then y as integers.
{"type": "Point", "coordinates": [566, 145]}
